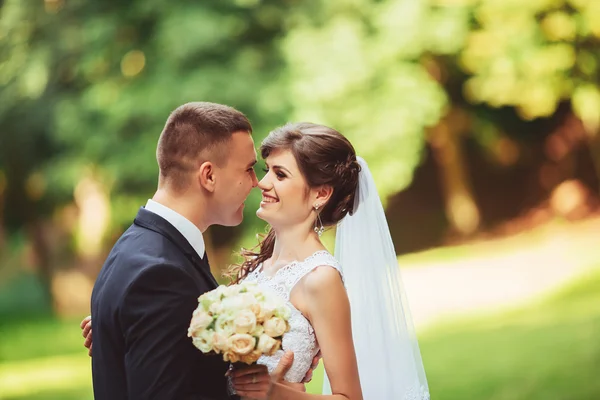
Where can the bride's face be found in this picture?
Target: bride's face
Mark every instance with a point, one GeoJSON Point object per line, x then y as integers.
{"type": "Point", "coordinates": [287, 199]}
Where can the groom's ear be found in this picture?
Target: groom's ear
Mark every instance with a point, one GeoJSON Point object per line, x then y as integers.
{"type": "Point", "coordinates": [206, 176]}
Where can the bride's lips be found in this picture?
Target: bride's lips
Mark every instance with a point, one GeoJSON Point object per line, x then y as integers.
{"type": "Point", "coordinates": [266, 199]}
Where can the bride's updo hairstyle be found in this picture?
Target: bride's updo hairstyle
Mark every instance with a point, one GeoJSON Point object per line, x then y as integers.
{"type": "Point", "coordinates": [324, 157]}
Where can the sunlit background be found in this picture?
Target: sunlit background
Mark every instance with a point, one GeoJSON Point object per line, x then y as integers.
{"type": "Point", "coordinates": [479, 119]}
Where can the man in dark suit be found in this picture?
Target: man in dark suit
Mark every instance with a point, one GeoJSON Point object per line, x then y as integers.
{"type": "Point", "coordinates": [145, 294]}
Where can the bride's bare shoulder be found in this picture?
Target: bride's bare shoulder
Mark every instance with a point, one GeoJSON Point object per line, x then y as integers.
{"type": "Point", "coordinates": [322, 278]}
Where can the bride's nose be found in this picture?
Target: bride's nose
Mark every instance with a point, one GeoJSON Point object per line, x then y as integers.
{"type": "Point", "coordinates": [265, 184]}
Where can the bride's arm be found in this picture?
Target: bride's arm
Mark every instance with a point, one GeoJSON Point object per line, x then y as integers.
{"type": "Point", "coordinates": [326, 305]}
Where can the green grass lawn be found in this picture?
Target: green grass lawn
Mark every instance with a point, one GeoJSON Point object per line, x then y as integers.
{"type": "Point", "coordinates": [545, 351]}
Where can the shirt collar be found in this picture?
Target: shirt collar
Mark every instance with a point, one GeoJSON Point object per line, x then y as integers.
{"type": "Point", "coordinates": [189, 231]}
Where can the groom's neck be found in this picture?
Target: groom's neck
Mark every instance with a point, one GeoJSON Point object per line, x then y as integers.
{"type": "Point", "coordinates": [190, 207]}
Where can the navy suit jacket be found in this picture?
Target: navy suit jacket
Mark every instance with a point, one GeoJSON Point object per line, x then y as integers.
{"type": "Point", "coordinates": [142, 304]}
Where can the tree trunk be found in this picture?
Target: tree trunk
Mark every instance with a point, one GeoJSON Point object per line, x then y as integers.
{"type": "Point", "coordinates": [593, 144]}
{"type": "Point", "coordinates": [461, 208]}
{"type": "Point", "coordinates": [41, 251]}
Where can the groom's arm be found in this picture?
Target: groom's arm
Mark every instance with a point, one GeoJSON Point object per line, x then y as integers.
{"type": "Point", "coordinates": [155, 315]}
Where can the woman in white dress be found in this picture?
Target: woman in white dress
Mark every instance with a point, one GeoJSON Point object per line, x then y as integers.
{"type": "Point", "coordinates": [312, 182]}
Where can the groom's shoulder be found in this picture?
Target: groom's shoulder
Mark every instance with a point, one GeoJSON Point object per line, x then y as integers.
{"type": "Point", "coordinates": [139, 249]}
{"type": "Point", "coordinates": [144, 243]}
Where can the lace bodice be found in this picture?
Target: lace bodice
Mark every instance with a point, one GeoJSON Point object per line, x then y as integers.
{"type": "Point", "coordinates": [300, 339]}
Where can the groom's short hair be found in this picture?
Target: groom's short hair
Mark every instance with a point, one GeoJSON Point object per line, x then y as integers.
{"type": "Point", "coordinates": [195, 133]}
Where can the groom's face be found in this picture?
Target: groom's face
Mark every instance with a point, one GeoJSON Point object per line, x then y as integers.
{"type": "Point", "coordinates": [235, 179]}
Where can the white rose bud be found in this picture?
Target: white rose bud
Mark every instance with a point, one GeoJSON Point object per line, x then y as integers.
{"type": "Point", "coordinates": [275, 327]}
{"type": "Point", "coordinates": [283, 311]}
{"type": "Point", "coordinates": [267, 345]}
{"type": "Point", "coordinates": [244, 321]}
{"type": "Point", "coordinates": [241, 343]}
{"type": "Point", "coordinates": [215, 308]}
{"type": "Point", "coordinates": [258, 330]}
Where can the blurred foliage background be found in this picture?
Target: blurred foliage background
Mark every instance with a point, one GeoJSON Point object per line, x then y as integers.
{"type": "Point", "coordinates": [479, 119]}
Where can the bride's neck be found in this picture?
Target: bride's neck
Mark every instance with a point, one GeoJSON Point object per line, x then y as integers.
{"type": "Point", "coordinates": [293, 244]}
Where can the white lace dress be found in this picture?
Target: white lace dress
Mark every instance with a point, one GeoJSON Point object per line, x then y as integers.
{"type": "Point", "coordinates": [300, 339]}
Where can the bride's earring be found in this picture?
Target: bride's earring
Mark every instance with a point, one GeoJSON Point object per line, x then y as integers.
{"type": "Point", "coordinates": [319, 228]}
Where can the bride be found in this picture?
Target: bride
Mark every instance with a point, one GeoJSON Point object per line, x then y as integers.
{"type": "Point", "coordinates": [351, 306]}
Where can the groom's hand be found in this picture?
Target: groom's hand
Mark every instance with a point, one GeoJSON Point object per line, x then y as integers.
{"type": "Point", "coordinates": [255, 383]}
{"type": "Point", "coordinates": [86, 327]}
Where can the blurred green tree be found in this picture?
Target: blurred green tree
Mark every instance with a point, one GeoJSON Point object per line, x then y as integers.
{"type": "Point", "coordinates": [535, 55]}
{"type": "Point", "coordinates": [86, 88]}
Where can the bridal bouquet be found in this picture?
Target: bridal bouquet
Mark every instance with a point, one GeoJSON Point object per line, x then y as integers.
{"type": "Point", "coordinates": [241, 321]}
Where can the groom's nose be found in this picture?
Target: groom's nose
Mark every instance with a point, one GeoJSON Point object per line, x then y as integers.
{"type": "Point", "coordinates": [254, 179]}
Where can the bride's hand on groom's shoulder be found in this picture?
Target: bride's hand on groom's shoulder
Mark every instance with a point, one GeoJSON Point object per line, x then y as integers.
{"type": "Point", "coordinates": [255, 382]}
{"type": "Point", "coordinates": [86, 328]}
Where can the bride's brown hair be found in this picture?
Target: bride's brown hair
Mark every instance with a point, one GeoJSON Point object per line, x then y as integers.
{"type": "Point", "coordinates": [324, 157]}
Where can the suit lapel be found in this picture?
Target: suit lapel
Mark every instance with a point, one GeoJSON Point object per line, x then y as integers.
{"type": "Point", "coordinates": [156, 223]}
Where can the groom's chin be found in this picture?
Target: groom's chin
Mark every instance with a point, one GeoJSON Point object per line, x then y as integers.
{"type": "Point", "coordinates": [236, 218]}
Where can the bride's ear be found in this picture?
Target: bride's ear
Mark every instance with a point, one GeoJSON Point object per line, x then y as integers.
{"type": "Point", "coordinates": [206, 176]}
{"type": "Point", "coordinates": [323, 194]}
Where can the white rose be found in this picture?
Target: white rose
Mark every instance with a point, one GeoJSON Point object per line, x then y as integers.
{"type": "Point", "coordinates": [203, 341]}
{"type": "Point", "coordinates": [251, 358]}
{"type": "Point", "coordinates": [205, 302]}
{"type": "Point", "coordinates": [275, 327]}
{"type": "Point", "coordinates": [263, 311]}
{"type": "Point", "coordinates": [224, 325]}
{"type": "Point", "coordinates": [244, 321]}
{"type": "Point", "coordinates": [241, 343]}
{"type": "Point", "coordinates": [219, 342]}
{"type": "Point", "coordinates": [247, 299]}
{"type": "Point", "coordinates": [230, 356]}
{"type": "Point", "coordinates": [233, 303]}
{"type": "Point", "coordinates": [231, 291]}
{"type": "Point", "coordinates": [200, 321]}
{"type": "Point", "coordinates": [267, 345]}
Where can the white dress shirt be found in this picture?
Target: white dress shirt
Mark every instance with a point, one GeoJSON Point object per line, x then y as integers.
{"type": "Point", "coordinates": [189, 231]}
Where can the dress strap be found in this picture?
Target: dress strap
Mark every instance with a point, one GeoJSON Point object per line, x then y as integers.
{"type": "Point", "coordinates": [295, 273]}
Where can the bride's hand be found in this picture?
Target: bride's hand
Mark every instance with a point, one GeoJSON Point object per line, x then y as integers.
{"type": "Point", "coordinates": [86, 327]}
{"type": "Point", "coordinates": [315, 363]}
{"type": "Point", "coordinates": [255, 383]}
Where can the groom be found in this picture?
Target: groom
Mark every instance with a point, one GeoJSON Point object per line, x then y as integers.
{"type": "Point", "coordinates": [145, 294]}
